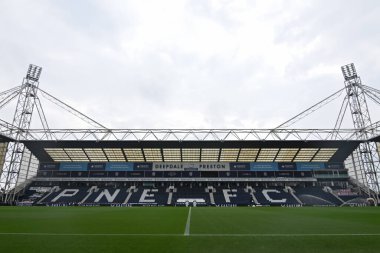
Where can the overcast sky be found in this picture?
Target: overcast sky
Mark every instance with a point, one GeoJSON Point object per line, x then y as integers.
{"type": "Point", "coordinates": [189, 64]}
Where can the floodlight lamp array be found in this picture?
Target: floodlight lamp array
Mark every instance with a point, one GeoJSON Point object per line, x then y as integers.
{"type": "Point", "coordinates": [34, 73]}
{"type": "Point", "coordinates": [349, 71]}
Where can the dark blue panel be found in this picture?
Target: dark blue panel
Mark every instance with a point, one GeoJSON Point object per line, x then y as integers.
{"type": "Point", "coordinates": [239, 166]}
{"type": "Point", "coordinates": [172, 174]}
{"type": "Point", "coordinates": [98, 174]}
{"type": "Point", "coordinates": [142, 166]}
{"type": "Point", "coordinates": [284, 174]}
{"type": "Point", "coordinates": [303, 174]}
{"type": "Point", "coordinates": [96, 166]}
{"type": "Point", "coordinates": [261, 166]}
{"type": "Point", "coordinates": [187, 168]}
{"type": "Point", "coordinates": [79, 173]}
{"type": "Point", "coordinates": [61, 173]}
{"type": "Point", "coordinates": [310, 166]}
{"type": "Point", "coordinates": [135, 173]}
{"type": "Point", "coordinates": [228, 173]}
{"type": "Point", "coordinates": [265, 173]}
{"type": "Point", "coordinates": [49, 166]}
{"type": "Point", "coordinates": [246, 173]}
{"type": "Point", "coordinates": [154, 173]}
{"type": "Point", "coordinates": [209, 173]}
{"type": "Point", "coordinates": [335, 166]}
{"type": "Point", "coordinates": [191, 174]}
{"type": "Point", "coordinates": [287, 166]}
{"type": "Point", "coordinates": [116, 173]}
{"type": "Point", "coordinates": [119, 166]}
{"type": "Point", "coordinates": [73, 166]}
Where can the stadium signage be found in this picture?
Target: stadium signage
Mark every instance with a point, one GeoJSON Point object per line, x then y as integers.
{"type": "Point", "coordinates": [142, 166]}
{"type": "Point", "coordinates": [240, 166]}
{"type": "Point", "coordinates": [191, 166]}
{"type": "Point", "coordinates": [96, 166]}
{"type": "Point", "coordinates": [336, 166]}
{"type": "Point", "coordinates": [310, 166]}
{"type": "Point", "coordinates": [153, 196]}
{"type": "Point", "coordinates": [264, 166]}
{"type": "Point", "coordinates": [49, 166]}
{"type": "Point", "coordinates": [121, 166]}
{"type": "Point", "coordinates": [75, 166]}
{"type": "Point", "coordinates": [287, 166]}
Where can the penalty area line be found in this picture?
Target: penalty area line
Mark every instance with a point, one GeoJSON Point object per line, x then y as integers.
{"type": "Point", "coordinates": [187, 228]}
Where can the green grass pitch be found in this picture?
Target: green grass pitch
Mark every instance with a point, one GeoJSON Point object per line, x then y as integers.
{"type": "Point", "coordinates": [169, 229]}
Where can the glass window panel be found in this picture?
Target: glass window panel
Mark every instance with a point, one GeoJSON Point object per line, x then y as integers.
{"type": "Point", "coordinates": [114, 154]}
{"type": "Point", "coordinates": [191, 154]}
{"type": "Point", "coordinates": [229, 154]}
{"type": "Point", "coordinates": [267, 154]}
{"type": "Point", "coordinates": [134, 155]}
{"type": "Point", "coordinates": [153, 154]}
{"type": "Point", "coordinates": [172, 154]}
{"type": "Point", "coordinates": [210, 154]}
{"type": "Point", "coordinates": [248, 154]}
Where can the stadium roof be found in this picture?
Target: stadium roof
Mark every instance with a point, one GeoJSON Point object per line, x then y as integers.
{"type": "Point", "coordinates": [377, 139]}
{"type": "Point", "coordinates": [4, 138]}
{"type": "Point", "coordinates": [192, 151]}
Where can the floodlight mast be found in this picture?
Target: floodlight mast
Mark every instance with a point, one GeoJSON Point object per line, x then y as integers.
{"type": "Point", "coordinates": [22, 119]}
{"type": "Point", "coordinates": [367, 151]}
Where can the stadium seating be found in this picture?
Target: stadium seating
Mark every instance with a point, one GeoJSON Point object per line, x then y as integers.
{"type": "Point", "coordinates": [185, 194]}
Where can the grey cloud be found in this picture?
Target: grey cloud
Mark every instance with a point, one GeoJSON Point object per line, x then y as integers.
{"type": "Point", "coordinates": [95, 57]}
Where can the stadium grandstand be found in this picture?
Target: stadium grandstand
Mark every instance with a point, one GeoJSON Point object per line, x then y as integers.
{"type": "Point", "coordinates": [99, 166]}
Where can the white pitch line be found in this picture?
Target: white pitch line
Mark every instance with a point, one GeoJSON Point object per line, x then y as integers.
{"type": "Point", "coordinates": [193, 235]}
{"type": "Point", "coordinates": [279, 235]}
{"type": "Point", "coordinates": [84, 234]}
{"type": "Point", "coordinates": [187, 228]}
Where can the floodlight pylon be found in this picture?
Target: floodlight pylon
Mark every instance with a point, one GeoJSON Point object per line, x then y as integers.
{"type": "Point", "coordinates": [22, 118]}
{"type": "Point", "coordinates": [368, 157]}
